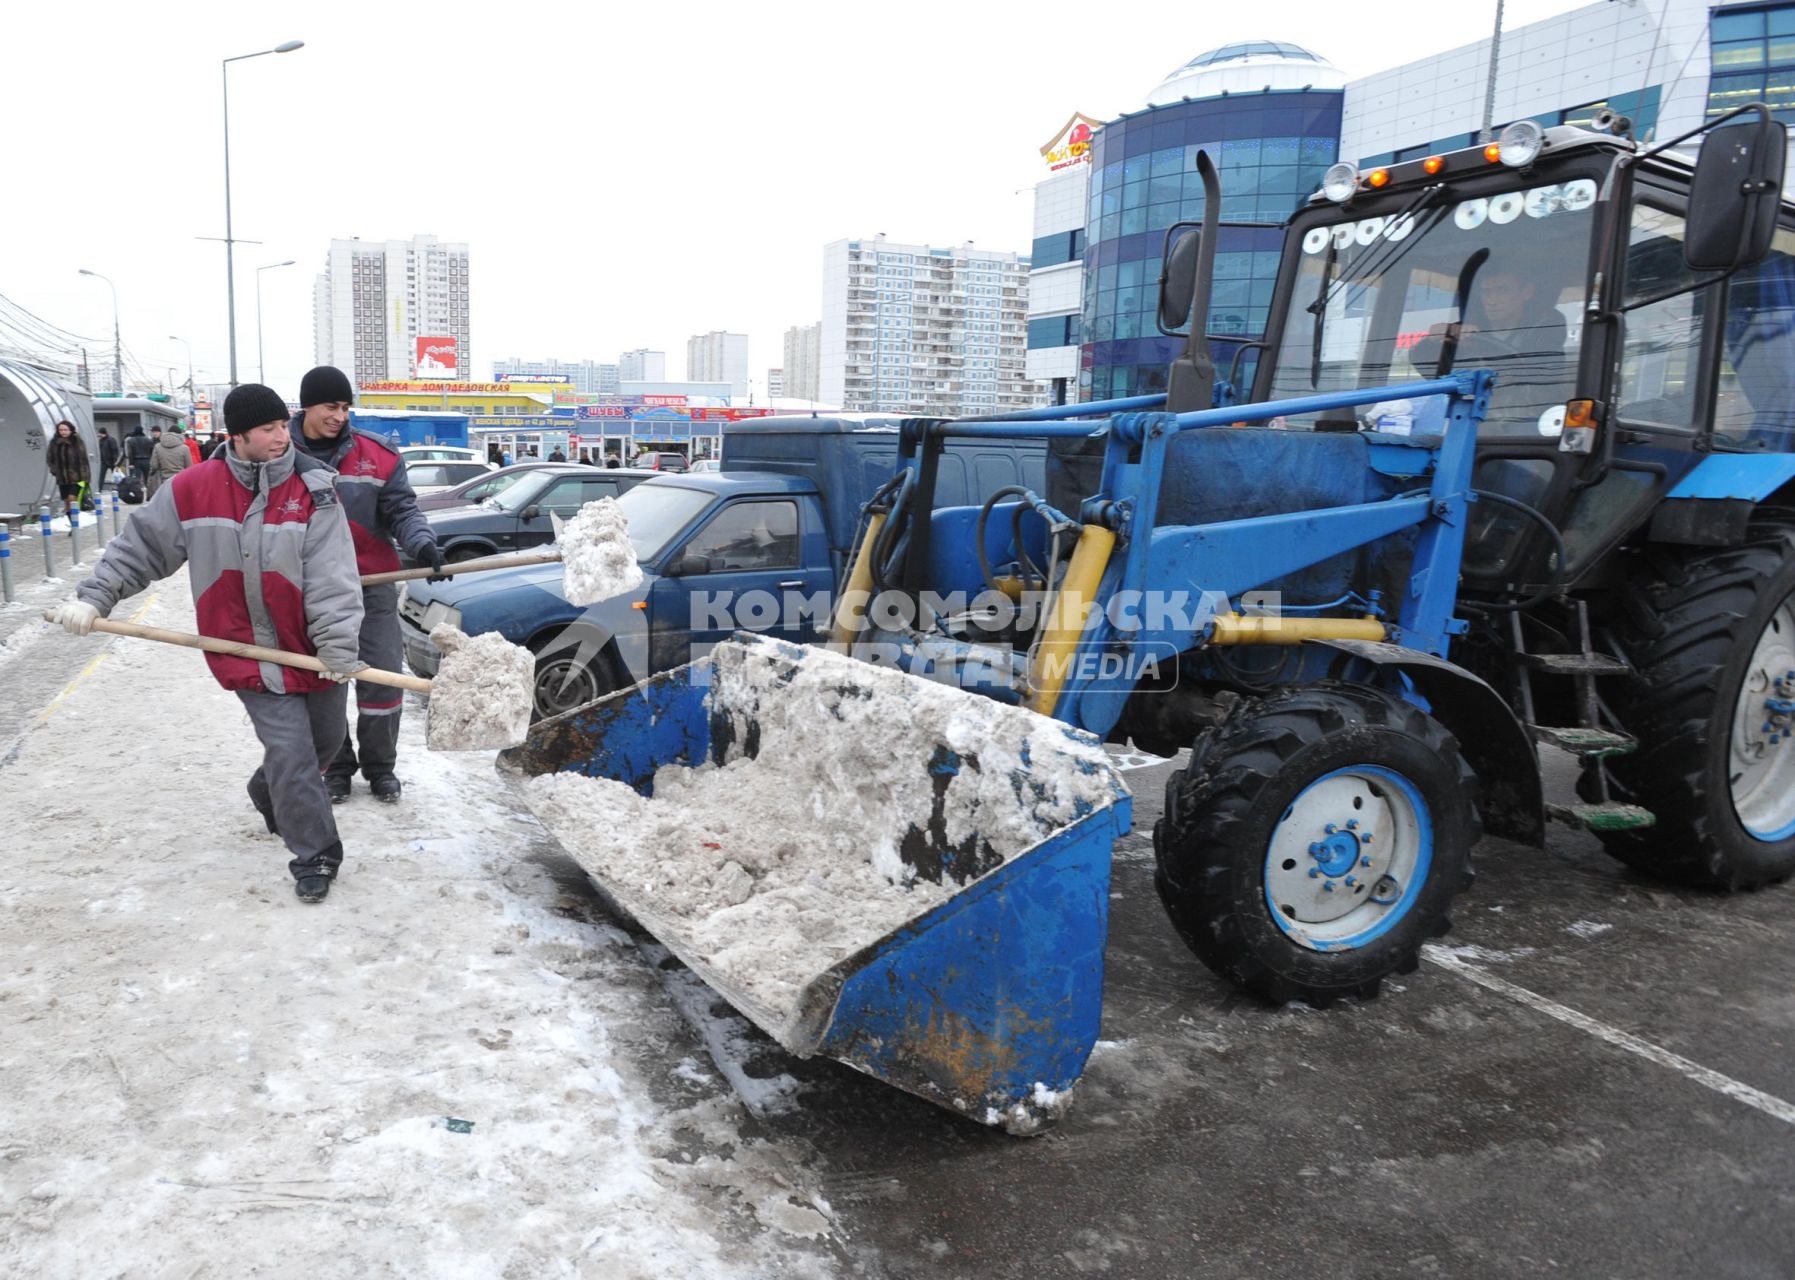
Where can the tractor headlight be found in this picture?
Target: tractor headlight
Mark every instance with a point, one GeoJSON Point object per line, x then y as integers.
{"type": "Point", "coordinates": [1521, 143]}
{"type": "Point", "coordinates": [1340, 181]}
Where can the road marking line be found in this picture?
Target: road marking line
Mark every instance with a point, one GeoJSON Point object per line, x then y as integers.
{"type": "Point", "coordinates": [1734, 1089]}
{"type": "Point", "coordinates": [56, 702]}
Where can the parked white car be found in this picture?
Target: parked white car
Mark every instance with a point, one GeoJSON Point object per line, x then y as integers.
{"type": "Point", "coordinates": [433, 476]}
{"type": "Point", "coordinates": [439, 453]}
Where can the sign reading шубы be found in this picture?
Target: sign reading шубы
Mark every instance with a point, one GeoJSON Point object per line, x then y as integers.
{"type": "Point", "coordinates": [1072, 144]}
{"type": "Point", "coordinates": [437, 358]}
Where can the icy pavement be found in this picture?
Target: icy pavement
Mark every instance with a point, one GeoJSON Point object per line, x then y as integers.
{"type": "Point", "coordinates": [446, 1069]}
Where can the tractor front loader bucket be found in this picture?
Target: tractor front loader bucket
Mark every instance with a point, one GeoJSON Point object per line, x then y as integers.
{"type": "Point", "coordinates": [896, 874]}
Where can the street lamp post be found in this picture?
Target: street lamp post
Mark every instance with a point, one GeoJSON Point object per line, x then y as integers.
{"type": "Point", "coordinates": [118, 363]}
{"type": "Point", "coordinates": [230, 266]}
{"type": "Point", "coordinates": [192, 397]}
{"type": "Point", "coordinates": [261, 372]}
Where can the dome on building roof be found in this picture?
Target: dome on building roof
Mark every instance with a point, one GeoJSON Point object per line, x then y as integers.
{"type": "Point", "coordinates": [1251, 49]}
{"type": "Point", "coordinates": [1247, 66]}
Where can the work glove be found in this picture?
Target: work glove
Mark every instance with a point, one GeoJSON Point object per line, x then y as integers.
{"type": "Point", "coordinates": [344, 676]}
{"type": "Point", "coordinates": [75, 616]}
{"type": "Point", "coordinates": [434, 556]}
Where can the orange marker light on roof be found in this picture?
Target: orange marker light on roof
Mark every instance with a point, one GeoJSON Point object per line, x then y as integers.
{"type": "Point", "coordinates": [1378, 177]}
{"type": "Point", "coordinates": [1433, 164]}
{"type": "Point", "coordinates": [1492, 153]}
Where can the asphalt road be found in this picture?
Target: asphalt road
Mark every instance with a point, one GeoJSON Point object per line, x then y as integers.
{"type": "Point", "coordinates": [1573, 1097]}
{"type": "Point", "coordinates": [1597, 1079]}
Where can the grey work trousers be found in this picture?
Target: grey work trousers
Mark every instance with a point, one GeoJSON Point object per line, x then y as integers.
{"type": "Point", "coordinates": [300, 734]}
{"type": "Point", "coordinates": [377, 706]}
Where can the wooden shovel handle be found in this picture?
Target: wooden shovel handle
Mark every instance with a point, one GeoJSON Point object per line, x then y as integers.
{"type": "Point", "coordinates": [465, 566]}
{"type": "Point", "coordinates": [303, 661]}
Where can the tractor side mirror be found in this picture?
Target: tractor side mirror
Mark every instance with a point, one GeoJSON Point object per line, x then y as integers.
{"type": "Point", "coordinates": [1178, 276]}
{"type": "Point", "coordinates": [1734, 195]}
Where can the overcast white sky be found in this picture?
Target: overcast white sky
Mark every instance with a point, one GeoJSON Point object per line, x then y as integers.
{"type": "Point", "coordinates": [625, 174]}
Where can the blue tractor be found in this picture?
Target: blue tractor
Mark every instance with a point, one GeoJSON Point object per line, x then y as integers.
{"type": "Point", "coordinates": [1512, 466]}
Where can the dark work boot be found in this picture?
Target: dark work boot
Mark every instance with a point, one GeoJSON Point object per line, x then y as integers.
{"type": "Point", "coordinates": [312, 888]}
{"type": "Point", "coordinates": [385, 787]}
{"type": "Point", "coordinates": [338, 786]}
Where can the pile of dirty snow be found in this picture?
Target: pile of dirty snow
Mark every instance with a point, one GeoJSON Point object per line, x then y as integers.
{"type": "Point", "coordinates": [480, 696]}
{"type": "Point", "coordinates": [597, 560]}
{"type": "Point", "coordinates": [763, 873]}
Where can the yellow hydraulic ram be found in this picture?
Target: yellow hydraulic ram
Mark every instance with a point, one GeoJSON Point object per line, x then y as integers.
{"type": "Point", "coordinates": [1232, 628]}
{"type": "Point", "coordinates": [850, 610]}
{"type": "Point", "coordinates": [1065, 621]}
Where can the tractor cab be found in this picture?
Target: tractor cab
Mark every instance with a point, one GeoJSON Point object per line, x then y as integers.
{"type": "Point", "coordinates": [1562, 260]}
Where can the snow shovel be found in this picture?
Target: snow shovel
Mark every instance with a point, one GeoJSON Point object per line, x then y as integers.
{"type": "Point", "coordinates": [927, 898]}
{"type": "Point", "coordinates": [465, 566]}
{"type": "Point", "coordinates": [593, 549]}
{"type": "Point", "coordinates": [480, 700]}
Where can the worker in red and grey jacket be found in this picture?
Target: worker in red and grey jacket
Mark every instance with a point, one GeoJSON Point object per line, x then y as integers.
{"type": "Point", "coordinates": [267, 548]}
{"type": "Point", "coordinates": [382, 510]}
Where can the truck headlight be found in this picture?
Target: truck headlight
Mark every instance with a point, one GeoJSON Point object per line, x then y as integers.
{"type": "Point", "coordinates": [437, 613]}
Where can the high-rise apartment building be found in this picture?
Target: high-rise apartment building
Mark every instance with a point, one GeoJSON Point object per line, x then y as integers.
{"type": "Point", "coordinates": [801, 346]}
{"type": "Point", "coordinates": [921, 330]}
{"type": "Point", "coordinates": [588, 377]}
{"type": "Point", "coordinates": [642, 365]}
{"type": "Point", "coordinates": [775, 384]}
{"type": "Point", "coordinates": [719, 357]}
{"type": "Point", "coordinates": [377, 302]}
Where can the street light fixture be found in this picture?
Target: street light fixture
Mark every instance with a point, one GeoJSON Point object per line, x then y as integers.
{"type": "Point", "coordinates": [118, 364]}
{"type": "Point", "coordinates": [261, 372]}
{"type": "Point", "coordinates": [230, 266]}
{"type": "Point", "coordinates": [192, 395]}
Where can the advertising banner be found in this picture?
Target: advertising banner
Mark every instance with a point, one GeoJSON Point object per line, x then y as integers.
{"type": "Point", "coordinates": [437, 358]}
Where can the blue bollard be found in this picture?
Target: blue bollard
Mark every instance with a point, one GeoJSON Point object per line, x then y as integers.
{"type": "Point", "coordinates": [43, 532]}
{"type": "Point", "coordinates": [6, 592]}
{"type": "Point", "coordinates": [74, 534]}
{"type": "Point", "coordinates": [116, 517]}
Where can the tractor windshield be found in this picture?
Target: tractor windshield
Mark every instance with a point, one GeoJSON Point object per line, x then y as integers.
{"type": "Point", "coordinates": [1492, 282]}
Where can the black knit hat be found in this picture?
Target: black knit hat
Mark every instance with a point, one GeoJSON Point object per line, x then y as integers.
{"type": "Point", "coordinates": [252, 405]}
{"type": "Point", "coordinates": [325, 385]}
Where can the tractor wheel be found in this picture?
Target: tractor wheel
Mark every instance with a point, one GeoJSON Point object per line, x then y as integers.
{"type": "Point", "coordinates": [1316, 840]}
{"type": "Point", "coordinates": [1711, 636]}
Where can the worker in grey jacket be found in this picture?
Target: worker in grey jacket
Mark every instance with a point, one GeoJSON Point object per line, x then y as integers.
{"type": "Point", "coordinates": [268, 550]}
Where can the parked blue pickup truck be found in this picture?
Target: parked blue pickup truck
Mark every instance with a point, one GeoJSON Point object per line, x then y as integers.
{"type": "Point", "coordinates": [758, 546]}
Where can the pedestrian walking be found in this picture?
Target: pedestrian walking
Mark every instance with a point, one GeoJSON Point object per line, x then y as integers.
{"type": "Point", "coordinates": [169, 456]}
{"type": "Point", "coordinates": [211, 446]}
{"type": "Point", "coordinates": [382, 509]}
{"type": "Point", "coordinates": [193, 447]}
{"type": "Point", "coordinates": [137, 454]}
{"type": "Point", "coordinates": [109, 454]}
{"type": "Point", "coordinates": [265, 505]}
{"type": "Point", "coordinates": [67, 460]}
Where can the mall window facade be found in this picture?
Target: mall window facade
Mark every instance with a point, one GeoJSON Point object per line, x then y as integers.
{"type": "Point", "coordinates": [1751, 51]}
{"type": "Point", "coordinates": [1271, 150]}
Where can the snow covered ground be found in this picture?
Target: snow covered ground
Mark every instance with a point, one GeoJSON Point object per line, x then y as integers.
{"type": "Point", "coordinates": [449, 1068]}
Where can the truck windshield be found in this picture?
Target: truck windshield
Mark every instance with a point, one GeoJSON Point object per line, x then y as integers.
{"type": "Point", "coordinates": [657, 512]}
{"type": "Point", "coordinates": [1493, 282]}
